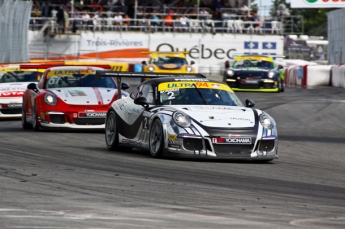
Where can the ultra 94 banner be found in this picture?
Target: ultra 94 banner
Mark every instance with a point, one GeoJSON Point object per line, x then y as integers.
{"type": "Point", "coordinates": [317, 3]}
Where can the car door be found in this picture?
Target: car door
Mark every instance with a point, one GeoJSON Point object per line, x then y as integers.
{"type": "Point", "coordinates": [138, 116]}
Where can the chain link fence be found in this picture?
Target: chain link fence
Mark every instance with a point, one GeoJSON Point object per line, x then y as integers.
{"type": "Point", "coordinates": [14, 26]}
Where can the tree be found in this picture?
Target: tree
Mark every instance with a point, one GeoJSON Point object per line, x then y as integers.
{"type": "Point", "coordinates": [309, 21]}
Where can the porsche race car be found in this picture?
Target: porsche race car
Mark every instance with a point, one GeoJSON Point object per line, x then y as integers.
{"type": "Point", "coordinates": [255, 73]}
{"type": "Point", "coordinates": [69, 97]}
{"type": "Point", "coordinates": [190, 116]}
{"type": "Point", "coordinates": [168, 62]}
{"type": "Point", "coordinates": [13, 82]}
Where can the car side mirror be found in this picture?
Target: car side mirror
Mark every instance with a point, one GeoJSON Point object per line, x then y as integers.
{"type": "Point", "coordinates": [250, 103]}
{"type": "Point", "coordinates": [141, 101]}
{"type": "Point", "coordinates": [144, 62]}
{"type": "Point", "coordinates": [124, 86]}
{"type": "Point", "coordinates": [33, 86]}
{"type": "Point", "coordinates": [280, 67]}
{"type": "Point", "coordinates": [192, 62]}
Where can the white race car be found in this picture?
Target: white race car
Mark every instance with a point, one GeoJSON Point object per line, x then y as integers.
{"type": "Point", "coordinates": [190, 116]}
{"type": "Point", "coordinates": [13, 83]}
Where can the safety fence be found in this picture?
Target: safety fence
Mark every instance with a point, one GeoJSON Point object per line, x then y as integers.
{"type": "Point", "coordinates": [14, 21]}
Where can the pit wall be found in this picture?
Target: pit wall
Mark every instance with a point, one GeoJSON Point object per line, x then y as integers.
{"type": "Point", "coordinates": [315, 75]}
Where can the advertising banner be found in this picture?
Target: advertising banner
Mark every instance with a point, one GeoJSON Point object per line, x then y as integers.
{"type": "Point", "coordinates": [317, 3]}
{"type": "Point", "coordinates": [207, 49]}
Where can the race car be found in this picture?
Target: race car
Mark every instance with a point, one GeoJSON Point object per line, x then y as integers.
{"type": "Point", "coordinates": [168, 62]}
{"type": "Point", "coordinates": [190, 116]}
{"type": "Point", "coordinates": [254, 73]}
{"type": "Point", "coordinates": [13, 82]}
{"type": "Point", "coordinates": [69, 97]}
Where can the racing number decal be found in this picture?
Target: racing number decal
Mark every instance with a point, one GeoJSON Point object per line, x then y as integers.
{"type": "Point", "coordinates": [146, 123]}
{"type": "Point", "coordinates": [171, 95]}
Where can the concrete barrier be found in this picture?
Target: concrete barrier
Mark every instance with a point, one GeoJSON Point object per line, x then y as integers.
{"type": "Point", "coordinates": [338, 76]}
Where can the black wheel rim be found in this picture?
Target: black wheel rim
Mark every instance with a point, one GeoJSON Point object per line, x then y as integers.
{"type": "Point", "coordinates": [110, 129]}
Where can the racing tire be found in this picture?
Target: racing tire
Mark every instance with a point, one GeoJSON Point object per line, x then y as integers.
{"type": "Point", "coordinates": [156, 140]}
{"type": "Point", "coordinates": [35, 124]}
{"type": "Point", "coordinates": [281, 86]}
{"type": "Point", "coordinates": [25, 124]}
{"type": "Point", "coordinates": [112, 135]}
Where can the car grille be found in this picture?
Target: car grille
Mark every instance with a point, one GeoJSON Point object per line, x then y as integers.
{"type": "Point", "coordinates": [89, 121]}
{"type": "Point", "coordinates": [57, 118]}
{"type": "Point", "coordinates": [230, 151]}
{"type": "Point", "coordinates": [9, 111]}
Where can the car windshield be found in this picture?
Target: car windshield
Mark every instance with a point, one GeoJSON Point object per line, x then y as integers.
{"type": "Point", "coordinates": [78, 80]}
{"type": "Point", "coordinates": [198, 93]}
{"type": "Point", "coordinates": [168, 60]}
{"type": "Point", "coordinates": [253, 64]}
{"type": "Point", "coordinates": [10, 77]}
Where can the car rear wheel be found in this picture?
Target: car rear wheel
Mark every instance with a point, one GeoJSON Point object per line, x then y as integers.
{"type": "Point", "coordinates": [35, 124]}
{"type": "Point", "coordinates": [25, 124]}
{"type": "Point", "coordinates": [281, 85]}
{"type": "Point", "coordinates": [156, 139]}
{"type": "Point", "coordinates": [111, 133]}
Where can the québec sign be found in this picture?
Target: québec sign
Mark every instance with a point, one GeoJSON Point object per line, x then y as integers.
{"type": "Point", "coordinates": [317, 3]}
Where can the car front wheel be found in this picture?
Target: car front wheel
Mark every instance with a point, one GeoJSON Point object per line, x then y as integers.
{"type": "Point", "coordinates": [156, 139]}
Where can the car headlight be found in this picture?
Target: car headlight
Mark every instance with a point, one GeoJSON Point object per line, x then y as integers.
{"type": "Point", "coordinates": [266, 121]}
{"type": "Point", "coordinates": [50, 99]}
{"type": "Point", "coordinates": [181, 119]}
{"type": "Point", "coordinates": [151, 68]}
{"type": "Point", "coordinates": [230, 72]}
{"type": "Point", "coordinates": [189, 69]}
{"type": "Point", "coordinates": [270, 74]}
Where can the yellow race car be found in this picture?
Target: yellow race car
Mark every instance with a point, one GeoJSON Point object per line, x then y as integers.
{"type": "Point", "coordinates": [168, 62]}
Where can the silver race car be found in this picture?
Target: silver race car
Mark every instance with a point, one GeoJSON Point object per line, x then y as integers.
{"type": "Point", "coordinates": [189, 116]}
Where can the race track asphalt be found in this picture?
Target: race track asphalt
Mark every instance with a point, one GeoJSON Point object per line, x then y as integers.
{"type": "Point", "coordinates": [70, 180]}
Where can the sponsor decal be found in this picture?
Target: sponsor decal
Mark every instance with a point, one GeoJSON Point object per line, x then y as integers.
{"type": "Point", "coordinates": [171, 138]}
{"type": "Point", "coordinates": [14, 105]}
{"type": "Point", "coordinates": [69, 72]}
{"type": "Point", "coordinates": [117, 43]}
{"type": "Point", "coordinates": [11, 94]}
{"type": "Point", "coordinates": [173, 86]}
{"type": "Point", "coordinates": [317, 3]}
{"type": "Point", "coordinates": [76, 92]}
{"type": "Point", "coordinates": [92, 115]}
{"type": "Point", "coordinates": [232, 140]}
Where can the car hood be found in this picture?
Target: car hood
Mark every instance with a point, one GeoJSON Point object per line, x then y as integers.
{"type": "Point", "coordinates": [85, 95]}
{"type": "Point", "coordinates": [220, 116]}
{"type": "Point", "coordinates": [13, 89]}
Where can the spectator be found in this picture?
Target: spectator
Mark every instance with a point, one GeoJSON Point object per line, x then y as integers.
{"type": "Point", "coordinates": [203, 14]}
{"type": "Point", "coordinates": [126, 20]}
{"type": "Point", "coordinates": [118, 19]}
{"type": "Point", "coordinates": [183, 22]}
{"type": "Point", "coordinates": [168, 20]}
{"type": "Point", "coordinates": [155, 19]}
{"type": "Point", "coordinates": [244, 9]}
{"type": "Point", "coordinates": [86, 19]}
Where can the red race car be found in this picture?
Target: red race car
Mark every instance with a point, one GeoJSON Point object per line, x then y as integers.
{"type": "Point", "coordinates": [69, 97]}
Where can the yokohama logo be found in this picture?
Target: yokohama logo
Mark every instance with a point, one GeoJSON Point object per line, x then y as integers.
{"type": "Point", "coordinates": [238, 140]}
{"type": "Point", "coordinates": [11, 94]}
{"type": "Point", "coordinates": [96, 114]}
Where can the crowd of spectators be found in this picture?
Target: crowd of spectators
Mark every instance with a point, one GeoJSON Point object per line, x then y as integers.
{"type": "Point", "coordinates": [82, 13]}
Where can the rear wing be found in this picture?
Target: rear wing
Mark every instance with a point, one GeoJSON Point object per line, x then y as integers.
{"type": "Point", "coordinates": [45, 66]}
{"type": "Point", "coordinates": [119, 75]}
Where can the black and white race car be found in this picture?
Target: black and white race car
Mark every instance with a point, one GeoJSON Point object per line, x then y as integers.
{"type": "Point", "coordinates": [189, 116]}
